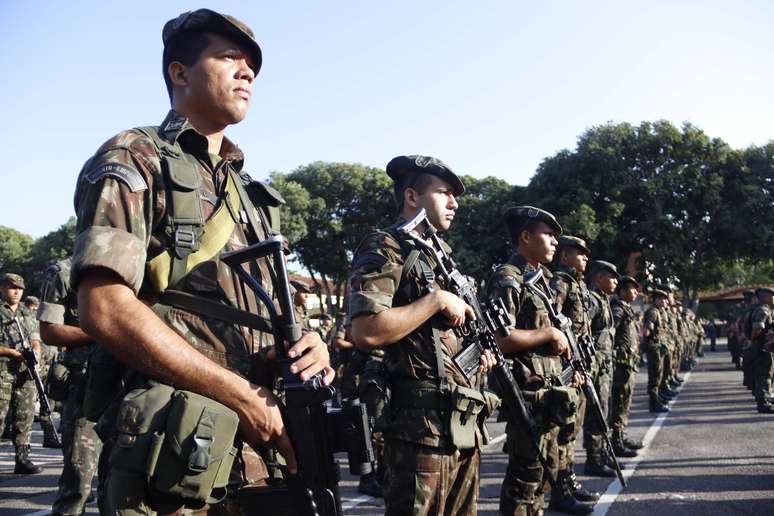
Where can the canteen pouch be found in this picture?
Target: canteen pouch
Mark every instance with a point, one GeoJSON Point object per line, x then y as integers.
{"type": "Point", "coordinates": [194, 458]}
{"type": "Point", "coordinates": [466, 405]}
{"type": "Point", "coordinates": [58, 381]}
{"type": "Point", "coordinates": [563, 405]}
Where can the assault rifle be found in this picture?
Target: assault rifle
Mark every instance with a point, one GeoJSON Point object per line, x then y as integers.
{"type": "Point", "coordinates": [478, 335]}
{"type": "Point", "coordinates": [578, 363]}
{"type": "Point", "coordinates": [315, 430]}
{"type": "Point", "coordinates": [28, 355]}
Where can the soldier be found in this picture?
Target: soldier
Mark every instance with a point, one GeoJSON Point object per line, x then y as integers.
{"type": "Point", "coordinates": [157, 206]}
{"type": "Point", "coordinates": [655, 332]}
{"type": "Point", "coordinates": [626, 361]}
{"type": "Point", "coordinates": [603, 281]}
{"type": "Point", "coordinates": [743, 344]}
{"type": "Point", "coordinates": [59, 326]}
{"type": "Point", "coordinates": [761, 324]}
{"type": "Point", "coordinates": [299, 299]}
{"type": "Point", "coordinates": [573, 300]}
{"type": "Point", "coordinates": [536, 348]}
{"type": "Point", "coordinates": [17, 389]}
{"type": "Point", "coordinates": [429, 468]}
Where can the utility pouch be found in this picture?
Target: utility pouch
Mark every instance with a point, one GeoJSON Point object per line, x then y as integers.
{"type": "Point", "coordinates": [466, 405]}
{"type": "Point", "coordinates": [58, 381]}
{"type": "Point", "coordinates": [563, 405]}
{"type": "Point", "coordinates": [6, 386]}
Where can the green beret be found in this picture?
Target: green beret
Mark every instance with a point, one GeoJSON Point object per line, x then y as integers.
{"type": "Point", "coordinates": [601, 265]}
{"type": "Point", "coordinates": [206, 20]}
{"type": "Point", "coordinates": [516, 216]}
{"type": "Point", "coordinates": [573, 241]}
{"type": "Point", "coordinates": [13, 280]}
{"type": "Point", "coordinates": [403, 170]}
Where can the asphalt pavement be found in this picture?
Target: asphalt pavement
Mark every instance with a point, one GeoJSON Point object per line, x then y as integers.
{"type": "Point", "coordinates": [713, 454]}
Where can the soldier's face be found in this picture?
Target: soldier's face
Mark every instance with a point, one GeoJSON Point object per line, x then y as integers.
{"type": "Point", "coordinates": [660, 301]}
{"type": "Point", "coordinates": [575, 258]}
{"type": "Point", "coordinates": [606, 282]}
{"type": "Point", "coordinates": [538, 245]}
{"type": "Point", "coordinates": [220, 83]}
{"type": "Point", "coordinates": [629, 294]}
{"type": "Point", "coordinates": [438, 201]}
{"type": "Point", "coordinates": [766, 298]}
{"type": "Point", "coordinates": [11, 294]}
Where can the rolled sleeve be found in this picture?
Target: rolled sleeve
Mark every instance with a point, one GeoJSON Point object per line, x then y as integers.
{"type": "Point", "coordinates": [51, 313]}
{"type": "Point", "coordinates": [110, 248]}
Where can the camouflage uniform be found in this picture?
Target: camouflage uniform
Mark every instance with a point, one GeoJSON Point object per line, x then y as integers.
{"type": "Point", "coordinates": [656, 348]}
{"type": "Point", "coordinates": [536, 370]}
{"type": "Point", "coordinates": [762, 318]}
{"type": "Point", "coordinates": [603, 332]}
{"type": "Point", "coordinates": [123, 203]}
{"type": "Point", "coordinates": [80, 444]}
{"type": "Point", "coordinates": [626, 363]}
{"type": "Point", "coordinates": [17, 390]}
{"type": "Point", "coordinates": [425, 472]}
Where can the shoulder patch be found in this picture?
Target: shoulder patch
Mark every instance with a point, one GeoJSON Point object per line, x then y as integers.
{"type": "Point", "coordinates": [124, 173]}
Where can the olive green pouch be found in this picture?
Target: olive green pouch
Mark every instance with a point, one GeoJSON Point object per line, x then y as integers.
{"type": "Point", "coordinates": [58, 381]}
{"type": "Point", "coordinates": [563, 405]}
{"type": "Point", "coordinates": [466, 405]}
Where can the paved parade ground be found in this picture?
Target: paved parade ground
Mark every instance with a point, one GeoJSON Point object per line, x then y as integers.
{"type": "Point", "coordinates": [713, 454]}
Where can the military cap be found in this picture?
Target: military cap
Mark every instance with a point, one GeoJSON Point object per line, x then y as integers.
{"type": "Point", "coordinates": [602, 265]}
{"type": "Point", "coordinates": [13, 279]}
{"type": "Point", "coordinates": [748, 293]}
{"type": "Point", "coordinates": [761, 290]}
{"type": "Point", "coordinates": [300, 287]}
{"type": "Point", "coordinates": [325, 317]}
{"type": "Point", "coordinates": [206, 20]}
{"type": "Point", "coordinates": [31, 300]}
{"type": "Point", "coordinates": [627, 280]}
{"type": "Point", "coordinates": [517, 216]}
{"type": "Point", "coordinates": [658, 292]}
{"type": "Point", "coordinates": [573, 241]}
{"type": "Point", "coordinates": [403, 170]}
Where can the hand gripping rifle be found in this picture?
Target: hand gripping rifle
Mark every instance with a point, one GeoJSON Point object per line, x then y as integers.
{"type": "Point", "coordinates": [479, 335]}
{"type": "Point", "coordinates": [315, 430]}
{"type": "Point", "coordinates": [578, 363]}
{"type": "Point", "coordinates": [28, 354]}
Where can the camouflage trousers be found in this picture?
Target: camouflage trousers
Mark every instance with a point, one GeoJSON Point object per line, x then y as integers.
{"type": "Point", "coordinates": [568, 436]}
{"type": "Point", "coordinates": [621, 399]}
{"type": "Point", "coordinates": [17, 394]}
{"type": "Point", "coordinates": [763, 368]}
{"type": "Point", "coordinates": [80, 447]}
{"type": "Point", "coordinates": [655, 355]}
{"type": "Point", "coordinates": [593, 439]}
{"type": "Point", "coordinates": [524, 484]}
{"type": "Point", "coordinates": [424, 480]}
{"type": "Point", "coordinates": [748, 367]}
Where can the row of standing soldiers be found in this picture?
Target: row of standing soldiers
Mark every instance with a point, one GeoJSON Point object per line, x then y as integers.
{"type": "Point", "coordinates": [751, 345]}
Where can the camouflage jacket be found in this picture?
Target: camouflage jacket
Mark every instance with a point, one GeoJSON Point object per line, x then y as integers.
{"type": "Point", "coordinates": [123, 201]}
{"type": "Point", "coordinates": [656, 325]}
{"type": "Point", "coordinates": [762, 318]}
{"type": "Point", "coordinates": [59, 305]}
{"type": "Point", "coordinates": [9, 334]}
{"type": "Point", "coordinates": [378, 282]}
{"type": "Point", "coordinates": [536, 368]}
{"type": "Point", "coordinates": [626, 340]}
{"type": "Point", "coordinates": [572, 299]}
{"type": "Point", "coordinates": [602, 327]}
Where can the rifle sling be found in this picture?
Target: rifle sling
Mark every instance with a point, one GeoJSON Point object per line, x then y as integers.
{"type": "Point", "coordinates": [207, 308]}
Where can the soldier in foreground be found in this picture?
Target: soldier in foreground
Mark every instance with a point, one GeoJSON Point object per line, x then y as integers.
{"type": "Point", "coordinates": [59, 326]}
{"type": "Point", "coordinates": [536, 347]}
{"type": "Point", "coordinates": [429, 470]}
{"type": "Point", "coordinates": [17, 390]}
{"type": "Point", "coordinates": [762, 324]}
{"type": "Point", "coordinates": [157, 206]}
{"type": "Point", "coordinates": [626, 360]}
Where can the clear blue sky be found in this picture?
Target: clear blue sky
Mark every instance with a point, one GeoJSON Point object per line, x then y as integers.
{"type": "Point", "coordinates": [491, 88]}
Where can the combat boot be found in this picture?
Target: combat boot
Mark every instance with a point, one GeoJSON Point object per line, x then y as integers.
{"type": "Point", "coordinates": [668, 394]}
{"type": "Point", "coordinates": [619, 448]}
{"type": "Point", "coordinates": [369, 485]}
{"type": "Point", "coordinates": [632, 443]}
{"type": "Point", "coordinates": [49, 438]}
{"type": "Point", "coordinates": [24, 465]}
{"type": "Point", "coordinates": [765, 408]}
{"type": "Point", "coordinates": [657, 407]}
{"type": "Point", "coordinates": [562, 499]}
{"type": "Point", "coordinates": [578, 491]}
{"type": "Point", "coordinates": [596, 467]}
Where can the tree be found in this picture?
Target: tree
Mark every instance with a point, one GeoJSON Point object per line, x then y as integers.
{"type": "Point", "coordinates": [14, 247]}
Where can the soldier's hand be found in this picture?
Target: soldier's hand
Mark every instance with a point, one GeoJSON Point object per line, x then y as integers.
{"type": "Point", "coordinates": [486, 361]}
{"type": "Point", "coordinates": [260, 424]}
{"type": "Point", "coordinates": [314, 357]}
{"type": "Point", "coordinates": [454, 308]}
{"type": "Point", "coordinates": [14, 354]}
{"type": "Point", "coordinates": [577, 379]}
{"type": "Point", "coordinates": [559, 344]}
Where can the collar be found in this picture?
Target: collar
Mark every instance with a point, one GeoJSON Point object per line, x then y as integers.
{"type": "Point", "coordinates": [177, 129]}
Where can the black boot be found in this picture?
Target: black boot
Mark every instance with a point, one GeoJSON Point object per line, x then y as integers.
{"type": "Point", "coordinates": [578, 491]}
{"type": "Point", "coordinates": [631, 443]}
{"type": "Point", "coordinates": [369, 485]}
{"type": "Point", "coordinates": [562, 499]}
{"type": "Point", "coordinates": [765, 408]}
{"type": "Point", "coordinates": [657, 407]}
{"type": "Point", "coordinates": [596, 467]}
{"type": "Point", "coordinates": [24, 465]}
{"type": "Point", "coordinates": [619, 448]}
{"type": "Point", "coordinates": [49, 436]}
{"type": "Point", "coordinates": [668, 394]}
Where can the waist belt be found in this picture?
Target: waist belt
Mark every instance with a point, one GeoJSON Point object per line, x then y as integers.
{"type": "Point", "coordinates": [418, 395]}
{"type": "Point", "coordinates": [206, 308]}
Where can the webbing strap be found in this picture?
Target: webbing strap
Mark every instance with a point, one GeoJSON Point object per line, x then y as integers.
{"type": "Point", "coordinates": [207, 308]}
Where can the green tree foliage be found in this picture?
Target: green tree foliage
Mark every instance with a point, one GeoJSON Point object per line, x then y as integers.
{"type": "Point", "coordinates": [14, 247]}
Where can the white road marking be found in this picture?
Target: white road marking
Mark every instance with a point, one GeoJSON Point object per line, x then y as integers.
{"type": "Point", "coordinates": [351, 504]}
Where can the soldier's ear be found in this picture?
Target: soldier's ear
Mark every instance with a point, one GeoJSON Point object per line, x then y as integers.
{"type": "Point", "coordinates": [410, 198]}
{"type": "Point", "coordinates": [178, 74]}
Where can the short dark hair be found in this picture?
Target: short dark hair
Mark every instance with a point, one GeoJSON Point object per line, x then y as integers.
{"type": "Point", "coordinates": [529, 225]}
{"type": "Point", "coordinates": [419, 183]}
{"type": "Point", "coordinates": [185, 48]}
